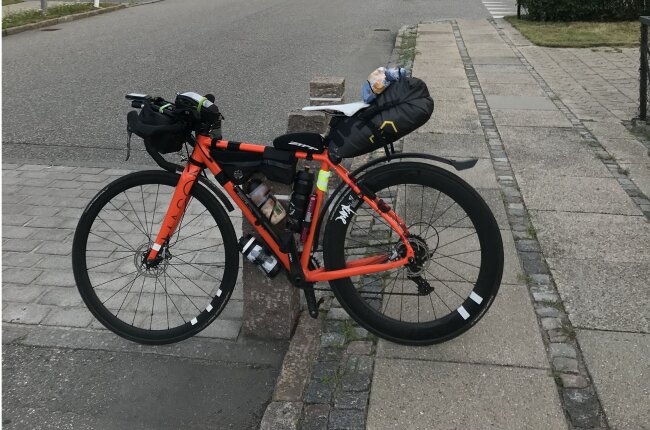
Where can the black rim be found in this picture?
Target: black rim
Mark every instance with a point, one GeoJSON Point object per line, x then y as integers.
{"type": "Point", "coordinates": [187, 286]}
{"type": "Point", "coordinates": [458, 255]}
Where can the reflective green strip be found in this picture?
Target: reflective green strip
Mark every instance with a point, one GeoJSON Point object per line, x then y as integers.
{"type": "Point", "coordinates": [162, 108]}
{"type": "Point", "coordinates": [198, 108]}
{"type": "Point", "coordinates": [323, 179]}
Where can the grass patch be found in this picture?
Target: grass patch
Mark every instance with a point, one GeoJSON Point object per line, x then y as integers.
{"type": "Point", "coordinates": [349, 332]}
{"type": "Point", "coordinates": [531, 231]}
{"type": "Point", "coordinates": [578, 34]}
{"type": "Point", "coordinates": [31, 16]}
{"type": "Point", "coordinates": [8, 2]}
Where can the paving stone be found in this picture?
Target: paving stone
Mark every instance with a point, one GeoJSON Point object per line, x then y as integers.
{"type": "Point", "coordinates": [562, 350]}
{"type": "Point", "coordinates": [346, 419]}
{"type": "Point", "coordinates": [575, 194]}
{"type": "Point", "coordinates": [25, 313]}
{"type": "Point", "coordinates": [20, 245]}
{"type": "Point", "coordinates": [351, 400]}
{"type": "Point", "coordinates": [19, 275]}
{"type": "Point", "coordinates": [21, 293]}
{"type": "Point", "coordinates": [20, 259]}
{"type": "Point", "coordinates": [551, 323]}
{"type": "Point", "coordinates": [332, 340]}
{"type": "Point", "coordinates": [619, 366]}
{"type": "Point", "coordinates": [323, 370]}
{"type": "Point", "coordinates": [359, 347]}
{"type": "Point", "coordinates": [507, 335]}
{"type": "Point", "coordinates": [330, 354]}
{"type": "Point", "coordinates": [573, 381]}
{"type": "Point", "coordinates": [69, 317]}
{"type": "Point", "coordinates": [524, 398]}
{"type": "Point", "coordinates": [281, 416]}
{"type": "Point", "coordinates": [519, 102]}
{"type": "Point", "coordinates": [612, 238]}
{"type": "Point", "coordinates": [53, 278]}
{"type": "Point", "coordinates": [222, 329]}
{"type": "Point", "coordinates": [533, 262]}
{"type": "Point", "coordinates": [604, 295]}
{"type": "Point", "coordinates": [319, 391]}
{"type": "Point", "coordinates": [315, 417]}
{"type": "Point", "coordinates": [55, 248]}
{"type": "Point", "coordinates": [338, 314]}
{"type": "Point", "coordinates": [582, 406]}
{"type": "Point", "coordinates": [564, 364]}
{"type": "Point", "coordinates": [60, 296]}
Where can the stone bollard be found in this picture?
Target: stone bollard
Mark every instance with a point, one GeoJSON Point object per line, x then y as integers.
{"type": "Point", "coordinates": [271, 306]}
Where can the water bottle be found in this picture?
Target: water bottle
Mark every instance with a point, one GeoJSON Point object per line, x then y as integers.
{"type": "Point", "coordinates": [255, 252]}
{"type": "Point", "coordinates": [302, 186]}
{"type": "Point", "coordinates": [261, 195]}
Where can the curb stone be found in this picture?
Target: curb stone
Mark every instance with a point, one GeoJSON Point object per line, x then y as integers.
{"type": "Point", "coordinates": [578, 396]}
{"type": "Point", "coordinates": [68, 18]}
{"type": "Point", "coordinates": [337, 392]}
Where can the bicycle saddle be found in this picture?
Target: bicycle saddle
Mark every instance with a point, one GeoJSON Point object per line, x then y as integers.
{"type": "Point", "coordinates": [347, 109]}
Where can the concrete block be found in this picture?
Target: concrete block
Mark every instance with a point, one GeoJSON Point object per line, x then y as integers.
{"type": "Point", "coordinates": [300, 121]}
{"type": "Point", "coordinates": [327, 86]}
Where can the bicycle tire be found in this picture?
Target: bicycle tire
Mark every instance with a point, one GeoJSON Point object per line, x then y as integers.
{"type": "Point", "coordinates": [350, 232]}
{"type": "Point", "coordinates": [112, 224]}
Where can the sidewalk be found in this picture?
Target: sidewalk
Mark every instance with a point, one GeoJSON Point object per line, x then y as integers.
{"type": "Point", "coordinates": [101, 380]}
{"type": "Point", "coordinates": [592, 231]}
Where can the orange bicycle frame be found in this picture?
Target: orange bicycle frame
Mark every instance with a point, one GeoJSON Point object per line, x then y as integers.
{"type": "Point", "coordinates": [201, 159]}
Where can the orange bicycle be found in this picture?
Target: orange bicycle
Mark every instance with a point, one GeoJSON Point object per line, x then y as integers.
{"type": "Point", "coordinates": [410, 250]}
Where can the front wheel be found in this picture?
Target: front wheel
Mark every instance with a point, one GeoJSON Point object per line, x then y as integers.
{"type": "Point", "coordinates": [458, 255]}
{"type": "Point", "coordinates": [179, 295]}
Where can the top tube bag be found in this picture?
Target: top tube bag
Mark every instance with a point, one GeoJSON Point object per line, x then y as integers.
{"type": "Point", "coordinates": [403, 107]}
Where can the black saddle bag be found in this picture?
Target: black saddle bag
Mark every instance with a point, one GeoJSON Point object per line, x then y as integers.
{"type": "Point", "coordinates": [403, 107]}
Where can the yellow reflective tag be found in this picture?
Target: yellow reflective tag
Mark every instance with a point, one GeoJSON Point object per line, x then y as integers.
{"type": "Point", "coordinates": [323, 180]}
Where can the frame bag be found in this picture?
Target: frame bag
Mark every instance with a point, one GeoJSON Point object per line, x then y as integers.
{"type": "Point", "coordinates": [403, 107]}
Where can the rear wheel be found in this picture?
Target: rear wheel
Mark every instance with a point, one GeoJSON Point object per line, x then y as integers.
{"type": "Point", "coordinates": [458, 255]}
{"type": "Point", "coordinates": [180, 294]}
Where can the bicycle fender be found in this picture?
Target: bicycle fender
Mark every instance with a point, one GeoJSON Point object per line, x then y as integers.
{"type": "Point", "coordinates": [334, 199]}
{"type": "Point", "coordinates": [217, 192]}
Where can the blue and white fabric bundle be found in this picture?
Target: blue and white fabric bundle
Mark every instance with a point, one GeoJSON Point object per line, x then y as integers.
{"type": "Point", "coordinates": [379, 80]}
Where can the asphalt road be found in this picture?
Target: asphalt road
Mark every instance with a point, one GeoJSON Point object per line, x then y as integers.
{"type": "Point", "coordinates": [63, 90]}
{"type": "Point", "coordinates": [57, 378]}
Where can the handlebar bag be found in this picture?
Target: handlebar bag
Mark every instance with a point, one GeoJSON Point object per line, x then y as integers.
{"type": "Point", "coordinates": [403, 107]}
{"type": "Point", "coordinates": [163, 131]}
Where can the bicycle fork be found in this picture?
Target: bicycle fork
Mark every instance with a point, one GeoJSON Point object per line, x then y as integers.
{"type": "Point", "coordinates": [176, 209]}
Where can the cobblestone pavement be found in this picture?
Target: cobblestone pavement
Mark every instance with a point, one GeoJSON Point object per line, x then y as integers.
{"type": "Point", "coordinates": [41, 208]}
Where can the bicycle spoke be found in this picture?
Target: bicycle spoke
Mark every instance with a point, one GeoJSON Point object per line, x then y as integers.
{"type": "Point", "coordinates": [153, 217]}
{"type": "Point", "coordinates": [108, 262]}
{"type": "Point", "coordinates": [119, 235]}
{"type": "Point", "coordinates": [186, 296]}
{"type": "Point", "coordinates": [115, 243]}
{"type": "Point", "coordinates": [127, 218]}
{"type": "Point", "coordinates": [443, 283]}
{"type": "Point", "coordinates": [453, 241]}
{"type": "Point", "coordinates": [144, 229]}
{"type": "Point", "coordinates": [192, 265]}
{"type": "Point", "coordinates": [172, 300]}
{"type": "Point", "coordinates": [144, 279]}
{"type": "Point", "coordinates": [197, 286]}
{"type": "Point", "coordinates": [113, 295]}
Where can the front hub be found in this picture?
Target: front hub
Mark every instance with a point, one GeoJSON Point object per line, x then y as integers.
{"type": "Point", "coordinates": [151, 269]}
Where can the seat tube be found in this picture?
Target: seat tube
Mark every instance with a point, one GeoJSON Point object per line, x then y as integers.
{"type": "Point", "coordinates": [176, 208]}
